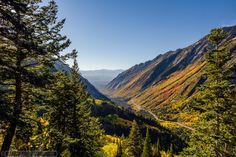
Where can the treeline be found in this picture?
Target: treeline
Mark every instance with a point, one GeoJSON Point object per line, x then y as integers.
{"type": "Point", "coordinates": [136, 145]}
{"type": "Point", "coordinates": [106, 108]}
{"type": "Point", "coordinates": [41, 109]}
{"type": "Point", "coordinates": [117, 121]}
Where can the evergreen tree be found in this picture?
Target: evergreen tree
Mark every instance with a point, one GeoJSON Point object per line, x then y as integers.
{"type": "Point", "coordinates": [156, 149]}
{"type": "Point", "coordinates": [215, 131]}
{"type": "Point", "coordinates": [134, 143]}
{"type": "Point", "coordinates": [171, 152]}
{"type": "Point", "coordinates": [71, 115]}
{"type": "Point", "coordinates": [30, 41]}
{"type": "Point", "coordinates": [147, 148]}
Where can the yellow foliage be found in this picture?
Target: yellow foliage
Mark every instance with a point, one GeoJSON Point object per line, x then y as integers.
{"type": "Point", "coordinates": [188, 117]}
{"type": "Point", "coordinates": [110, 150]}
{"type": "Point", "coordinates": [43, 122]}
{"type": "Point", "coordinates": [98, 102]}
{"type": "Point", "coordinates": [1, 137]}
{"type": "Point", "coordinates": [165, 154]}
{"type": "Point", "coordinates": [111, 139]}
{"type": "Point", "coordinates": [168, 124]}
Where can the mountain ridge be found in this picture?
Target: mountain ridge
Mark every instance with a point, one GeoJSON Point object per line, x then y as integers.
{"type": "Point", "coordinates": [160, 67]}
{"type": "Point", "coordinates": [165, 83]}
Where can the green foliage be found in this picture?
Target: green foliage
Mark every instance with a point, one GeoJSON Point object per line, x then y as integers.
{"type": "Point", "coordinates": [215, 131]}
{"type": "Point", "coordinates": [134, 143]}
{"type": "Point", "coordinates": [70, 115]}
{"type": "Point", "coordinates": [30, 43]}
{"type": "Point", "coordinates": [157, 149]}
{"type": "Point", "coordinates": [171, 152]}
{"type": "Point", "coordinates": [147, 148]}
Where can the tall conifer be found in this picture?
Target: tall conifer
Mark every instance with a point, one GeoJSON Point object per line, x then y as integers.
{"type": "Point", "coordinates": [147, 148]}
{"type": "Point", "coordinates": [30, 42]}
{"type": "Point", "coordinates": [215, 131]}
{"type": "Point", "coordinates": [71, 117]}
{"type": "Point", "coordinates": [134, 143]}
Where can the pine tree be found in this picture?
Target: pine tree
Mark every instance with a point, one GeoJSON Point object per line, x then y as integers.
{"type": "Point", "coordinates": [71, 115]}
{"type": "Point", "coordinates": [134, 143]}
{"type": "Point", "coordinates": [30, 41]}
{"type": "Point", "coordinates": [171, 152]}
{"type": "Point", "coordinates": [59, 108]}
{"type": "Point", "coordinates": [215, 131]}
{"type": "Point", "coordinates": [147, 148]}
{"type": "Point", "coordinates": [156, 149]}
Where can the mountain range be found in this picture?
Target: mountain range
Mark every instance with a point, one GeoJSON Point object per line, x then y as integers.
{"type": "Point", "coordinates": [164, 84]}
{"type": "Point", "coordinates": [100, 78]}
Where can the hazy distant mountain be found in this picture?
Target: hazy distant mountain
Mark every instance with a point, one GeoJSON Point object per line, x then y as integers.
{"type": "Point", "coordinates": [100, 78]}
{"type": "Point", "coordinates": [59, 65]}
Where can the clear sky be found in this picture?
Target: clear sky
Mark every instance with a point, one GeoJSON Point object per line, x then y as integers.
{"type": "Point", "coordinates": [117, 34]}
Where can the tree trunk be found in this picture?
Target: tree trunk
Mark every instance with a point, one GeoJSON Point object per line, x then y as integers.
{"type": "Point", "coordinates": [58, 149]}
{"type": "Point", "coordinates": [17, 110]}
{"type": "Point", "coordinates": [8, 138]}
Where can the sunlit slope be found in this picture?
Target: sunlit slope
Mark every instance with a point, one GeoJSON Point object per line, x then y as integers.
{"type": "Point", "coordinates": [169, 97]}
{"type": "Point", "coordinates": [179, 85]}
{"type": "Point", "coordinates": [166, 84]}
{"type": "Point", "coordinates": [138, 78]}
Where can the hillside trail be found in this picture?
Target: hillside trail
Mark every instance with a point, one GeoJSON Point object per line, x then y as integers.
{"type": "Point", "coordinates": [158, 119]}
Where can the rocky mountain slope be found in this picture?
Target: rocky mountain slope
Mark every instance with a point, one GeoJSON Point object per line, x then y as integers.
{"type": "Point", "coordinates": [165, 82]}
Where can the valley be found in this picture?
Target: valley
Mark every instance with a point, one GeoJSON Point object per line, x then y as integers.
{"type": "Point", "coordinates": [165, 84]}
{"type": "Point", "coordinates": [140, 108]}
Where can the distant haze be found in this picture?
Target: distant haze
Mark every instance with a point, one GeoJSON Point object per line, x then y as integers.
{"type": "Point", "coordinates": [100, 78]}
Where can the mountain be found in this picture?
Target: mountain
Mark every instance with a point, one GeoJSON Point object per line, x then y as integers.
{"type": "Point", "coordinates": [100, 78]}
{"type": "Point", "coordinates": [166, 82]}
{"type": "Point", "coordinates": [60, 66]}
{"type": "Point", "coordinates": [116, 120]}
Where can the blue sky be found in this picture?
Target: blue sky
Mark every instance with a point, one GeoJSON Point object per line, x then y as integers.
{"type": "Point", "coordinates": [117, 34]}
